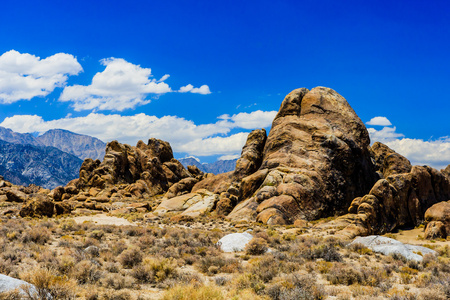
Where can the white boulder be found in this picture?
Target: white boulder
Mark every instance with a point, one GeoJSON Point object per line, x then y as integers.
{"type": "Point", "coordinates": [388, 246]}
{"type": "Point", "coordinates": [234, 242]}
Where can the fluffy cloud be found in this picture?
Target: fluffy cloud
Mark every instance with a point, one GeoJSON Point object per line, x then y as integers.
{"type": "Point", "coordinates": [122, 85]}
{"type": "Point", "coordinates": [379, 121]}
{"type": "Point", "coordinates": [204, 89]}
{"type": "Point", "coordinates": [24, 76]}
{"type": "Point", "coordinates": [184, 135]}
{"type": "Point", "coordinates": [216, 145]}
{"type": "Point", "coordinates": [229, 157]}
{"type": "Point", "coordinates": [435, 153]}
{"type": "Point", "coordinates": [384, 135]}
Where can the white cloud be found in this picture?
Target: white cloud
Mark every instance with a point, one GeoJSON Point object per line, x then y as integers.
{"type": "Point", "coordinates": [385, 134]}
{"type": "Point", "coordinates": [24, 76]}
{"type": "Point", "coordinates": [216, 145]}
{"type": "Point", "coordinates": [193, 157]}
{"type": "Point", "coordinates": [229, 157]}
{"type": "Point", "coordinates": [434, 153]}
{"type": "Point", "coordinates": [256, 119]}
{"type": "Point", "coordinates": [379, 121]}
{"type": "Point", "coordinates": [204, 89]}
{"type": "Point", "coordinates": [184, 135]}
{"type": "Point", "coordinates": [122, 85]}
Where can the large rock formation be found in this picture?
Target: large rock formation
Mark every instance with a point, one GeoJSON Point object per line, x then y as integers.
{"type": "Point", "coordinates": [315, 161]}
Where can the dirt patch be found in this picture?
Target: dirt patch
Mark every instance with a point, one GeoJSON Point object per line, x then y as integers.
{"type": "Point", "coordinates": [103, 219]}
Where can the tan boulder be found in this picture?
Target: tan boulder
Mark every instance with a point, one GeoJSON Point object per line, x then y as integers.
{"type": "Point", "coordinates": [439, 212]}
{"type": "Point", "coordinates": [38, 205]}
{"type": "Point", "coordinates": [435, 229]}
{"type": "Point", "coordinates": [201, 201]}
{"type": "Point", "coordinates": [14, 195]}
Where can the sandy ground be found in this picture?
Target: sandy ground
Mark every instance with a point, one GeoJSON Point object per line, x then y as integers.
{"type": "Point", "coordinates": [412, 237]}
{"type": "Point", "coordinates": [103, 219]}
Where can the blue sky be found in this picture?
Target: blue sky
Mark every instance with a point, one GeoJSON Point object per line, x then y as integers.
{"type": "Point", "coordinates": [234, 61]}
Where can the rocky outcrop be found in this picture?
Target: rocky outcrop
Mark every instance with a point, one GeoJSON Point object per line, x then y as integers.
{"type": "Point", "coordinates": [252, 154]}
{"type": "Point", "coordinates": [437, 218]}
{"type": "Point", "coordinates": [400, 200]}
{"type": "Point", "coordinates": [388, 162]}
{"type": "Point", "coordinates": [315, 161]}
{"type": "Point", "coordinates": [153, 163]}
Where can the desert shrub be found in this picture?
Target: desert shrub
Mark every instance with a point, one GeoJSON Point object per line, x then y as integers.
{"type": "Point", "coordinates": [360, 248]}
{"type": "Point", "coordinates": [295, 286]}
{"type": "Point", "coordinates": [373, 276]}
{"type": "Point", "coordinates": [212, 264]}
{"type": "Point", "coordinates": [96, 234]}
{"type": "Point", "coordinates": [65, 264]}
{"type": "Point", "coordinates": [116, 295]}
{"type": "Point", "coordinates": [325, 251]}
{"type": "Point", "coordinates": [157, 269]}
{"type": "Point", "coordinates": [11, 295]}
{"type": "Point", "coordinates": [117, 281]}
{"type": "Point", "coordinates": [86, 272]}
{"type": "Point", "coordinates": [188, 292]}
{"type": "Point", "coordinates": [49, 286]}
{"type": "Point", "coordinates": [130, 257]}
{"type": "Point", "coordinates": [256, 246]}
{"type": "Point", "coordinates": [39, 235]}
{"type": "Point", "coordinates": [249, 281]}
{"type": "Point", "coordinates": [342, 274]}
{"type": "Point", "coordinates": [265, 268]}
{"type": "Point", "coordinates": [69, 225]}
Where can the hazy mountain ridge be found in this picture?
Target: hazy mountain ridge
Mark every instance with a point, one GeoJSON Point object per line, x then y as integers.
{"type": "Point", "coordinates": [218, 167]}
{"type": "Point", "coordinates": [45, 166]}
{"type": "Point", "coordinates": [82, 146]}
{"type": "Point", "coordinates": [10, 136]}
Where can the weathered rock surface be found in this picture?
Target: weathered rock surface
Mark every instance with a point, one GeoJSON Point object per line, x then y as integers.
{"type": "Point", "coordinates": [251, 156]}
{"type": "Point", "coordinates": [8, 284]}
{"type": "Point", "coordinates": [192, 204]}
{"type": "Point", "coordinates": [152, 163]}
{"type": "Point", "coordinates": [398, 201]}
{"type": "Point", "coordinates": [316, 157]}
{"type": "Point", "coordinates": [438, 220]}
{"type": "Point", "coordinates": [389, 246]}
{"type": "Point", "coordinates": [234, 242]}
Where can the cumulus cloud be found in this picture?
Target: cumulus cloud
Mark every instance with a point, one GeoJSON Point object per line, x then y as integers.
{"type": "Point", "coordinates": [229, 157]}
{"type": "Point", "coordinates": [216, 145]}
{"type": "Point", "coordinates": [434, 153]}
{"type": "Point", "coordinates": [184, 135]}
{"type": "Point", "coordinates": [379, 121]}
{"type": "Point", "coordinates": [385, 134]}
{"type": "Point", "coordinates": [24, 76]}
{"type": "Point", "coordinates": [256, 119]}
{"type": "Point", "coordinates": [122, 85]}
{"type": "Point", "coordinates": [204, 89]}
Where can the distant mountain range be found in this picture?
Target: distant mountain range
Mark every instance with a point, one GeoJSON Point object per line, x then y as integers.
{"type": "Point", "coordinates": [49, 160]}
{"type": "Point", "coordinates": [45, 166]}
{"type": "Point", "coordinates": [82, 146]}
{"type": "Point", "coordinates": [218, 167]}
